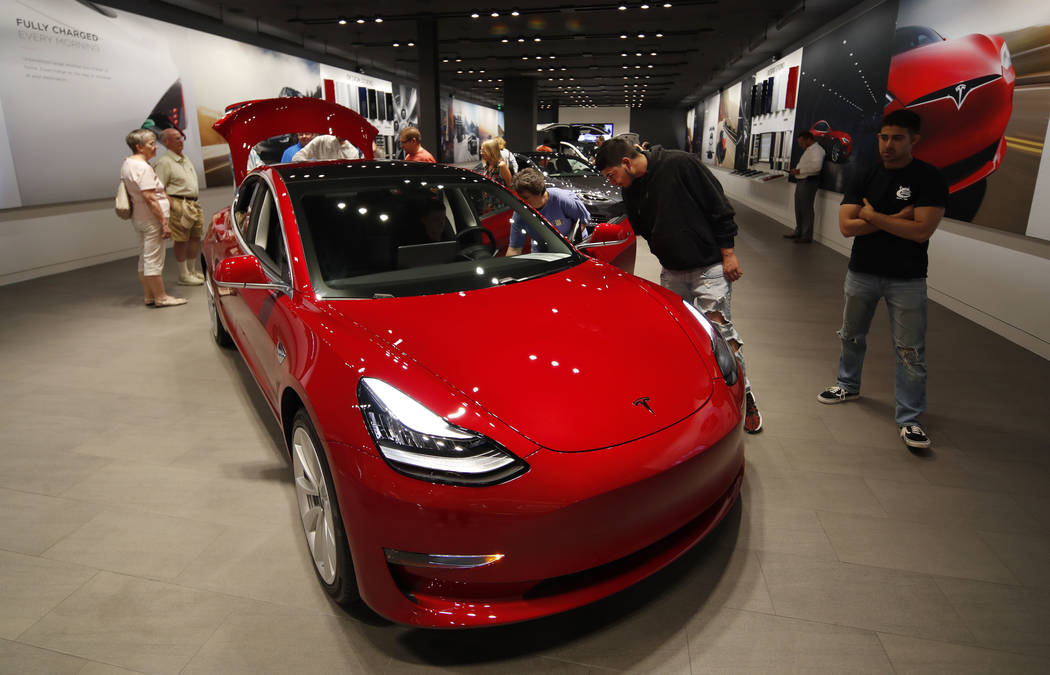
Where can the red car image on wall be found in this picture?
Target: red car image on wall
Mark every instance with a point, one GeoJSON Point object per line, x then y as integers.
{"type": "Point", "coordinates": [837, 144]}
{"type": "Point", "coordinates": [963, 91]}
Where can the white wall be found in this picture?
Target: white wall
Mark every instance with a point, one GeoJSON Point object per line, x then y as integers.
{"type": "Point", "coordinates": [619, 116]}
{"type": "Point", "coordinates": [998, 280]}
{"type": "Point", "coordinates": [40, 240]}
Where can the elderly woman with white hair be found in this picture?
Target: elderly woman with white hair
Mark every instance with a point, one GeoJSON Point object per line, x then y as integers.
{"type": "Point", "coordinates": [149, 216]}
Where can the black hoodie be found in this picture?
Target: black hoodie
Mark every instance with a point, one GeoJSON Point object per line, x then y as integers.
{"type": "Point", "coordinates": [681, 210]}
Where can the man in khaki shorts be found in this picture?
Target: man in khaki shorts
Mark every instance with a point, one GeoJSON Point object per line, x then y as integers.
{"type": "Point", "coordinates": [179, 177]}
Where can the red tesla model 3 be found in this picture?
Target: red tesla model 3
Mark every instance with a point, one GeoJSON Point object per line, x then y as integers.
{"type": "Point", "coordinates": [475, 439]}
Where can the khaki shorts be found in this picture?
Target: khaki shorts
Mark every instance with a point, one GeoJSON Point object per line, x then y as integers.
{"type": "Point", "coordinates": [186, 220]}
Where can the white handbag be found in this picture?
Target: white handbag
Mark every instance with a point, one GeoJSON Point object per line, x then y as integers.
{"type": "Point", "coordinates": [122, 204]}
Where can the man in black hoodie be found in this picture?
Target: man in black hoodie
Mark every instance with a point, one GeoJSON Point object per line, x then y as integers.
{"type": "Point", "coordinates": [679, 207]}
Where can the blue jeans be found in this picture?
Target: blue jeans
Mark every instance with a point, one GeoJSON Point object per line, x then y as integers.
{"type": "Point", "coordinates": [906, 303]}
{"type": "Point", "coordinates": [707, 289]}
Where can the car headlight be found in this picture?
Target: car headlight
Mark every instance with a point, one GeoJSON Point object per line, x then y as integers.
{"type": "Point", "coordinates": [1004, 57]}
{"type": "Point", "coordinates": [418, 443]}
{"type": "Point", "coordinates": [724, 356]}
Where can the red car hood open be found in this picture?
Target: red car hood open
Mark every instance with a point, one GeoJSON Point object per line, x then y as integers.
{"type": "Point", "coordinates": [927, 69]}
{"type": "Point", "coordinates": [564, 359]}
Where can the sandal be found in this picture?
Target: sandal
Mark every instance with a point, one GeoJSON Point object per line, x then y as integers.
{"type": "Point", "coordinates": [169, 301]}
{"type": "Point", "coordinates": [148, 302]}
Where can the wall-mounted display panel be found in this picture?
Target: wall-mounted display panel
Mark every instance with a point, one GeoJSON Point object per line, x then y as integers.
{"type": "Point", "coordinates": [976, 74]}
{"type": "Point", "coordinates": [709, 139]}
{"type": "Point", "coordinates": [841, 94]}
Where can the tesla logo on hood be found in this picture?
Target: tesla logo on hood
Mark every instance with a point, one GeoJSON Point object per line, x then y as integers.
{"type": "Point", "coordinates": [644, 402]}
{"type": "Point", "coordinates": [956, 92]}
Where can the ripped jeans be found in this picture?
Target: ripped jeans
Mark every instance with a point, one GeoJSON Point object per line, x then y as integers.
{"type": "Point", "coordinates": [906, 303]}
{"type": "Point", "coordinates": [707, 289]}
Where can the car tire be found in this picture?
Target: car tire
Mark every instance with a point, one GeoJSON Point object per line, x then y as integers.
{"type": "Point", "coordinates": [218, 331]}
{"type": "Point", "coordinates": [319, 513]}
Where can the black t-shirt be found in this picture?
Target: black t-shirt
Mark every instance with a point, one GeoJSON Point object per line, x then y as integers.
{"type": "Point", "coordinates": [888, 191]}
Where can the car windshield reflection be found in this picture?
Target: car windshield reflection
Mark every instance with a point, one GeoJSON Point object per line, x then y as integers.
{"type": "Point", "coordinates": [400, 236]}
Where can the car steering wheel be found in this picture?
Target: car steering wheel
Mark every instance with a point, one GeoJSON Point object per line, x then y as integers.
{"type": "Point", "coordinates": [473, 251]}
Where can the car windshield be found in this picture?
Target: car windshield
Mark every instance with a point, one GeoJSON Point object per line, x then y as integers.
{"type": "Point", "coordinates": [911, 37]}
{"type": "Point", "coordinates": [562, 166]}
{"type": "Point", "coordinates": [402, 236]}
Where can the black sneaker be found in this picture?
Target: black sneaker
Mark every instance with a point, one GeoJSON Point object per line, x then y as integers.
{"type": "Point", "coordinates": [836, 395]}
{"type": "Point", "coordinates": [752, 418]}
{"type": "Point", "coordinates": [914, 437]}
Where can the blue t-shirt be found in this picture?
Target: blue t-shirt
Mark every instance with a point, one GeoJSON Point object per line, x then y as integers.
{"type": "Point", "coordinates": [286, 156]}
{"type": "Point", "coordinates": [563, 208]}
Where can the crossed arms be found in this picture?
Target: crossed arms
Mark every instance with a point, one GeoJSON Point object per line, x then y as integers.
{"type": "Point", "coordinates": [913, 223]}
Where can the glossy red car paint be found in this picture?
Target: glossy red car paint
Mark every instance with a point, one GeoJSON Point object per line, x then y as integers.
{"type": "Point", "coordinates": [837, 144]}
{"type": "Point", "coordinates": [962, 90]}
{"type": "Point", "coordinates": [553, 369]}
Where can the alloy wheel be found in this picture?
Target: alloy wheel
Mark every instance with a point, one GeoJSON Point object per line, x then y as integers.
{"type": "Point", "coordinates": [315, 507]}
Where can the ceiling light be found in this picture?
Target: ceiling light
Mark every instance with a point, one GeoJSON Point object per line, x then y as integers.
{"type": "Point", "coordinates": [622, 7]}
{"type": "Point", "coordinates": [474, 15]}
{"type": "Point", "coordinates": [641, 35]}
{"type": "Point", "coordinates": [494, 15]}
{"type": "Point", "coordinates": [515, 12]}
{"type": "Point", "coordinates": [397, 44]}
{"type": "Point", "coordinates": [645, 6]}
{"type": "Point", "coordinates": [659, 35]}
{"type": "Point", "coordinates": [504, 40]}
{"type": "Point", "coordinates": [652, 53]}
{"type": "Point", "coordinates": [667, 4]}
{"type": "Point", "coordinates": [342, 22]}
{"type": "Point", "coordinates": [521, 39]}
{"type": "Point", "coordinates": [444, 60]}
{"type": "Point", "coordinates": [536, 39]}
{"type": "Point", "coordinates": [379, 19]}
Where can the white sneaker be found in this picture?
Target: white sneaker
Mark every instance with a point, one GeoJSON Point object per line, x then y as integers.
{"type": "Point", "coordinates": [190, 280]}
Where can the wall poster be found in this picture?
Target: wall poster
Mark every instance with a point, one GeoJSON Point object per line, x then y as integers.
{"type": "Point", "coordinates": [467, 126]}
{"type": "Point", "coordinates": [709, 138]}
{"type": "Point", "coordinates": [842, 94]}
{"type": "Point", "coordinates": [977, 75]}
{"type": "Point", "coordinates": [728, 132]}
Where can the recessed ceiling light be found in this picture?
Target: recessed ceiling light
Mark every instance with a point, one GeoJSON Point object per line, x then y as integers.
{"type": "Point", "coordinates": [397, 44]}
{"type": "Point", "coordinates": [379, 19]}
{"type": "Point", "coordinates": [623, 37]}
{"type": "Point", "coordinates": [474, 15]}
{"type": "Point", "coordinates": [536, 39]}
{"type": "Point", "coordinates": [515, 12]}
{"type": "Point", "coordinates": [494, 15]}
{"type": "Point", "coordinates": [342, 22]}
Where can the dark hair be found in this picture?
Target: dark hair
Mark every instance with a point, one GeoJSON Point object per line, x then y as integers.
{"type": "Point", "coordinates": [805, 134]}
{"type": "Point", "coordinates": [906, 119]}
{"type": "Point", "coordinates": [612, 151]}
{"type": "Point", "coordinates": [528, 180]}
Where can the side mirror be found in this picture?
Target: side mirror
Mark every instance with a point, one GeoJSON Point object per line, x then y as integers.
{"type": "Point", "coordinates": [245, 271]}
{"type": "Point", "coordinates": [606, 234]}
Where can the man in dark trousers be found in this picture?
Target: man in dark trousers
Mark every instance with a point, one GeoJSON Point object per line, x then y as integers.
{"type": "Point", "coordinates": [679, 207]}
{"type": "Point", "coordinates": [891, 211]}
{"type": "Point", "coordinates": [807, 176]}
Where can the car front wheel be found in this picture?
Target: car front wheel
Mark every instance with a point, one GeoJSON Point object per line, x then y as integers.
{"type": "Point", "coordinates": [319, 513]}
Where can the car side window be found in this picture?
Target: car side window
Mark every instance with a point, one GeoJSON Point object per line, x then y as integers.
{"type": "Point", "coordinates": [264, 236]}
{"type": "Point", "coordinates": [242, 206]}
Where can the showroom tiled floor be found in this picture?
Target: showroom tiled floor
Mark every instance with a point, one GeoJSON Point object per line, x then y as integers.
{"type": "Point", "coordinates": [148, 523]}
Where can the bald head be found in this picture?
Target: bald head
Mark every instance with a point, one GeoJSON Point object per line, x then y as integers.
{"type": "Point", "coordinates": [172, 140]}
